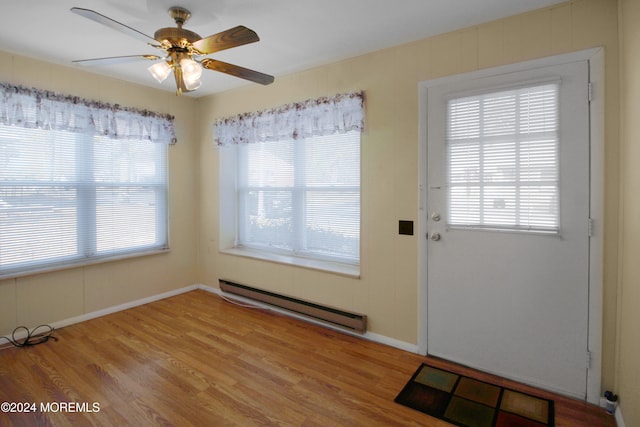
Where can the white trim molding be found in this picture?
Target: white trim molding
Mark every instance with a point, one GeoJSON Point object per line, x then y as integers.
{"type": "Point", "coordinates": [122, 307]}
{"type": "Point", "coordinates": [370, 336]}
{"type": "Point", "coordinates": [619, 419]}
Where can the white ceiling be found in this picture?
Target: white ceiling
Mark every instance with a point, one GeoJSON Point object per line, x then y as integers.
{"type": "Point", "coordinates": [294, 34]}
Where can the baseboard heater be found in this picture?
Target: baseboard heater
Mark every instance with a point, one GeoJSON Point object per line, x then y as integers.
{"type": "Point", "coordinates": [351, 321]}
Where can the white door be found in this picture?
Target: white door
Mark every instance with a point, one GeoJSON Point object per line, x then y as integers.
{"type": "Point", "coordinates": [508, 225]}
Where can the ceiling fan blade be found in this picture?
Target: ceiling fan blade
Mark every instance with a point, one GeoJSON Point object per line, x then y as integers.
{"type": "Point", "coordinates": [237, 71]}
{"type": "Point", "coordinates": [112, 60]}
{"type": "Point", "coordinates": [111, 23]}
{"type": "Point", "coordinates": [233, 37]}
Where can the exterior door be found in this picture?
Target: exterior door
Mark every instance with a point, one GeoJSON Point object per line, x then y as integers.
{"type": "Point", "coordinates": [508, 225]}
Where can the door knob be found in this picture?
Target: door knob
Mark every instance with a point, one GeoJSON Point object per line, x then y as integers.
{"type": "Point", "coordinates": [435, 236]}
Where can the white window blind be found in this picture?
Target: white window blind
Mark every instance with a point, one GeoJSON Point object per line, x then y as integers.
{"type": "Point", "coordinates": [301, 197]}
{"type": "Point", "coordinates": [68, 197]}
{"type": "Point", "coordinates": [502, 151]}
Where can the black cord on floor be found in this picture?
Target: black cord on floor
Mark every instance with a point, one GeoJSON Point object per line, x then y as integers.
{"type": "Point", "coordinates": [32, 337]}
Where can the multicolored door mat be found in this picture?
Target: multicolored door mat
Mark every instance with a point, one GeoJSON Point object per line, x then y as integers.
{"type": "Point", "coordinates": [467, 402]}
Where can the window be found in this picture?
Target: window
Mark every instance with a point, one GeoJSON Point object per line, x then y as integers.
{"type": "Point", "coordinates": [68, 197]}
{"type": "Point", "coordinates": [301, 197]}
{"type": "Point", "coordinates": [502, 150]}
{"type": "Point", "coordinates": [290, 181]}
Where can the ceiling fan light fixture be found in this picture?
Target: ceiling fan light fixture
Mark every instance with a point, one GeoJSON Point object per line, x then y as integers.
{"type": "Point", "coordinates": [191, 69]}
{"type": "Point", "coordinates": [160, 71]}
{"type": "Point", "coordinates": [191, 73]}
{"type": "Point", "coordinates": [181, 46]}
{"type": "Point", "coordinates": [192, 84]}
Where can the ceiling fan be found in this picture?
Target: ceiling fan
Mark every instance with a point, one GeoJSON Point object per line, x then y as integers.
{"type": "Point", "coordinates": [183, 50]}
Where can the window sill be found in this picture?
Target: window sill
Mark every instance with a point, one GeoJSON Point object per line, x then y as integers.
{"type": "Point", "coordinates": [348, 270]}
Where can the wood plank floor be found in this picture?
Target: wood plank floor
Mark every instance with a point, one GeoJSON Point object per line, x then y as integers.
{"type": "Point", "coordinates": [195, 359]}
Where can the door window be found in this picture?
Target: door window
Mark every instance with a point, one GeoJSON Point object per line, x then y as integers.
{"type": "Point", "coordinates": [502, 155]}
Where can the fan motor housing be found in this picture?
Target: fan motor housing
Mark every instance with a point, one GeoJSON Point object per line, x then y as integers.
{"type": "Point", "coordinates": [176, 36]}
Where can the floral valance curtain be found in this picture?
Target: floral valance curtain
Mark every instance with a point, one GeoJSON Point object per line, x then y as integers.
{"type": "Point", "coordinates": [32, 108]}
{"type": "Point", "coordinates": [324, 116]}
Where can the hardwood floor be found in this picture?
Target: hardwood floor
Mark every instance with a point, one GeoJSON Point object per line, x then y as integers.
{"type": "Point", "coordinates": [195, 359]}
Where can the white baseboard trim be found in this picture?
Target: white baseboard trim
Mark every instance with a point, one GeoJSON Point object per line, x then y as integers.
{"type": "Point", "coordinates": [617, 413]}
{"type": "Point", "coordinates": [619, 419]}
{"type": "Point", "coordinates": [392, 342]}
{"type": "Point", "coordinates": [121, 307]}
{"type": "Point", "coordinates": [22, 333]}
{"type": "Point", "coordinates": [371, 336]}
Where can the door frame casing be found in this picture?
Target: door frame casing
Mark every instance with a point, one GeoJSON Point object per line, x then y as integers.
{"type": "Point", "coordinates": [595, 58]}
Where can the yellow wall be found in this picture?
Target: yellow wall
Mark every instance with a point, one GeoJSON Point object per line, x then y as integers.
{"type": "Point", "coordinates": [56, 296]}
{"type": "Point", "coordinates": [628, 362]}
{"type": "Point", "coordinates": [388, 289]}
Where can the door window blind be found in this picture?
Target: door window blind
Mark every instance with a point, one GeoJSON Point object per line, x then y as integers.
{"type": "Point", "coordinates": [502, 155]}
